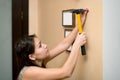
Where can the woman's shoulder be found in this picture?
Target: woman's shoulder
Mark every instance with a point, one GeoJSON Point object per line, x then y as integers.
{"type": "Point", "coordinates": [21, 74]}
{"type": "Point", "coordinates": [31, 71]}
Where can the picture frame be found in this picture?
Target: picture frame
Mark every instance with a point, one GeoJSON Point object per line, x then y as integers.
{"type": "Point", "coordinates": [66, 33]}
{"type": "Point", "coordinates": [68, 18]}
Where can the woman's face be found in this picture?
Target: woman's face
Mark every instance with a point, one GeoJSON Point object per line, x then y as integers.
{"type": "Point", "coordinates": [41, 50]}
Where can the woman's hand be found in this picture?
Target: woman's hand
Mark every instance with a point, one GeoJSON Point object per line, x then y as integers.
{"type": "Point", "coordinates": [81, 39]}
{"type": "Point", "coordinates": [84, 16]}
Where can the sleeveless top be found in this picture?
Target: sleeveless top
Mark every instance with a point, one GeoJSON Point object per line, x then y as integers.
{"type": "Point", "coordinates": [20, 76]}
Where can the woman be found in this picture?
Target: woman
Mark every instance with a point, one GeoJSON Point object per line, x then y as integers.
{"type": "Point", "coordinates": [34, 54]}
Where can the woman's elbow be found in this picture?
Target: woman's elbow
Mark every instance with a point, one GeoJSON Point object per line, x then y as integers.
{"type": "Point", "coordinates": [67, 74]}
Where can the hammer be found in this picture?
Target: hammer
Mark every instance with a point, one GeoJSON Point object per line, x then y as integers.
{"type": "Point", "coordinates": [78, 12]}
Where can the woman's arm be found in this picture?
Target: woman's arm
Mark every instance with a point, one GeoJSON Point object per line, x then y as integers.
{"type": "Point", "coordinates": [36, 73]}
{"type": "Point", "coordinates": [64, 44]}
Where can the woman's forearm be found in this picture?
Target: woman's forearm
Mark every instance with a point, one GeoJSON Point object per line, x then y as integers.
{"type": "Point", "coordinates": [71, 61]}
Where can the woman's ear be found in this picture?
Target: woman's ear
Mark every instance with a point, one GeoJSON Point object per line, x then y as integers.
{"type": "Point", "coordinates": [31, 56]}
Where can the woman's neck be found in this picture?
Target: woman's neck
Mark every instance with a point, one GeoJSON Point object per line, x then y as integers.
{"type": "Point", "coordinates": [38, 63]}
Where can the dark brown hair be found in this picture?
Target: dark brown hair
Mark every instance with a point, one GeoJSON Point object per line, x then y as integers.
{"type": "Point", "coordinates": [24, 47]}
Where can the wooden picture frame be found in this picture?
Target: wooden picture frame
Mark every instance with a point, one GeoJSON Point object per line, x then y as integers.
{"type": "Point", "coordinates": [68, 18]}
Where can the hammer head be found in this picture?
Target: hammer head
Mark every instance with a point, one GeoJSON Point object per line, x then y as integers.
{"type": "Point", "coordinates": [79, 11]}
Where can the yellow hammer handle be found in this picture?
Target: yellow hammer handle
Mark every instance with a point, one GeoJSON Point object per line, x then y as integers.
{"type": "Point", "coordinates": [79, 23]}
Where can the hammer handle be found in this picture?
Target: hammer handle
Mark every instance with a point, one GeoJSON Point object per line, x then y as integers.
{"type": "Point", "coordinates": [83, 51]}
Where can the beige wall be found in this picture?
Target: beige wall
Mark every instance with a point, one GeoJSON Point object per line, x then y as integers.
{"type": "Point", "coordinates": [34, 17]}
{"type": "Point", "coordinates": [46, 21]}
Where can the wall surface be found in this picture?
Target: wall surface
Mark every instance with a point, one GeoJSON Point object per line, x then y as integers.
{"type": "Point", "coordinates": [33, 16]}
{"type": "Point", "coordinates": [5, 40]}
{"type": "Point", "coordinates": [111, 40]}
{"type": "Point", "coordinates": [51, 32]}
